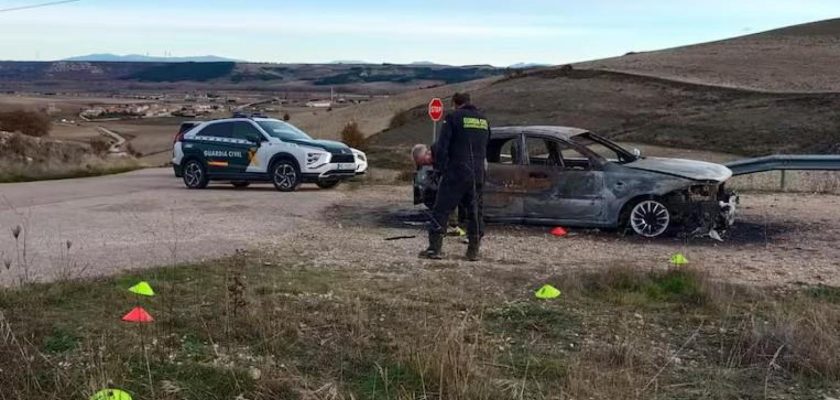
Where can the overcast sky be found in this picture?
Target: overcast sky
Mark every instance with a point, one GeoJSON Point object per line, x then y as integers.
{"type": "Point", "coordinates": [498, 32]}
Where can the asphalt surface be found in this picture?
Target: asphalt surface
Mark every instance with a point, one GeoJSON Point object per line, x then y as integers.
{"type": "Point", "coordinates": [140, 219]}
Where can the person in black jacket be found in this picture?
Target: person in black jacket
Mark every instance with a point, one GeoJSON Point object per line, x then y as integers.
{"type": "Point", "coordinates": [459, 158]}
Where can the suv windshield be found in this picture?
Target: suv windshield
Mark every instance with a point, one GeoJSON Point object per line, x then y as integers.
{"type": "Point", "coordinates": [282, 130]}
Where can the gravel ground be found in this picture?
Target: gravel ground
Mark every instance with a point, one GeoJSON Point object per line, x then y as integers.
{"type": "Point", "coordinates": [147, 218]}
{"type": "Point", "coordinates": [141, 219]}
{"type": "Point", "coordinates": [781, 239]}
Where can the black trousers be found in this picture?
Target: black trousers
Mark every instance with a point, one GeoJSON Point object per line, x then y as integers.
{"type": "Point", "coordinates": [455, 193]}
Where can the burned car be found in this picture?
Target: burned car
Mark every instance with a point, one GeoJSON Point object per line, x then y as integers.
{"type": "Point", "coordinates": [556, 175]}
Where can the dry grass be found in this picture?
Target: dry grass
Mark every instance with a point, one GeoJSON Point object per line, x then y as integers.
{"type": "Point", "coordinates": [376, 115]}
{"type": "Point", "coordinates": [261, 328]}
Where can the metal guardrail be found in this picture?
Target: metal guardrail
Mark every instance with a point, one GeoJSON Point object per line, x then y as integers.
{"type": "Point", "coordinates": [785, 163]}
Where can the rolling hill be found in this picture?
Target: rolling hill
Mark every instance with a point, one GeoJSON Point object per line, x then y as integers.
{"type": "Point", "coordinates": [109, 76]}
{"type": "Point", "coordinates": [801, 58]}
{"type": "Point", "coordinates": [773, 92]}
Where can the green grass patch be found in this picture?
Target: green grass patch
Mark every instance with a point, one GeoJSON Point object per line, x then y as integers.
{"type": "Point", "coordinates": [60, 341]}
{"type": "Point", "coordinates": [829, 294]}
{"type": "Point", "coordinates": [528, 318]}
{"type": "Point", "coordinates": [655, 288]}
{"type": "Point", "coordinates": [386, 381]}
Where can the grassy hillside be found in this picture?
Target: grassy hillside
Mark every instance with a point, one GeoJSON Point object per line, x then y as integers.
{"type": "Point", "coordinates": [801, 58]}
{"type": "Point", "coordinates": [653, 111]}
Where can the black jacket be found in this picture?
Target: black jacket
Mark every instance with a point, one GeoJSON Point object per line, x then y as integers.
{"type": "Point", "coordinates": [461, 148]}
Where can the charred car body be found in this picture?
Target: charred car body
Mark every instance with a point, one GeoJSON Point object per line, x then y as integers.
{"type": "Point", "coordinates": [572, 177]}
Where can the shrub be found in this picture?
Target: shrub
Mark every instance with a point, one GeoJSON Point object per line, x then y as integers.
{"type": "Point", "coordinates": [100, 145]}
{"type": "Point", "coordinates": [286, 117]}
{"type": "Point", "coordinates": [16, 145]}
{"type": "Point", "coordinates": [31, 123]}
{"type": "Point", "coordinates": [352, 136]}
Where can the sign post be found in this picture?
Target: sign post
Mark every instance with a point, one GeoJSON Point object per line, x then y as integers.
{"type": "Point", "coordinates": [435, 113]}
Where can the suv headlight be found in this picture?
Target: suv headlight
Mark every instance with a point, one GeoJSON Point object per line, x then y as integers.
{"type": "Point", "coordinates": [359, 155]}
{"type": "Point", "coordinates": [313, 158]}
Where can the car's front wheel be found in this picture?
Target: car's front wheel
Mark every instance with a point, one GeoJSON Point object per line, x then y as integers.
{"type": "Point", "coordinates": [329, 184]}
{"type": "Point", "coordinates": [650, 218]}
{"type": "Point", "coordinates": [285, 176]}
{"type": "Point", "coordinates": [195, 175]}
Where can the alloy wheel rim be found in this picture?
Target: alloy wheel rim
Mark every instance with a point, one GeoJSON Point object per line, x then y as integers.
{"type": "Point", "coordinates": [193, 174]}
{"type": "Point", "coordinates": [285, 176]}
{"type": "Point", "coordinates": [650, 218]}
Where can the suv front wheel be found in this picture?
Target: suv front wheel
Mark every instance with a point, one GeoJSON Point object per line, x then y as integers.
{"type": "Point", "coordinates": [285, 176]}
{"type": "Point", "coordinates": [195, 175]}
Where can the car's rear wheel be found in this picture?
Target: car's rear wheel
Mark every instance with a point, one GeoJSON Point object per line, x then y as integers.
{"type": "Point", "coordinates": [328, 184]}
{"type": "Point", "coordinates": [650, 218]}
{"type": "Point", "coordinates": [285, 176]}
{"type": "Point", "coordinates": [195, 175]}
{"type": "Point", "coordinates": [240, 184]}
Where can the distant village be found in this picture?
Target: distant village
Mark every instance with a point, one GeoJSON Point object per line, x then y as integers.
{"type": "Point", "coordinates": [205, 104]}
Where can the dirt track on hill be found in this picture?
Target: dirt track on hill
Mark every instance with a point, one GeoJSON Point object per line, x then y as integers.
{"type": "Point", "coordinates": [146, 218]}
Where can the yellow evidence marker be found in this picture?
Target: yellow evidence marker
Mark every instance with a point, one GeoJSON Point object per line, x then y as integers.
{"type": "Point", "coordinates": [111, 394]}
{"type": "Point", "coordinates": [547, 292]}
{"type": "Point", "coordinates": [143, 288]}
{"type": "Point", "coordinates": [679, 259]}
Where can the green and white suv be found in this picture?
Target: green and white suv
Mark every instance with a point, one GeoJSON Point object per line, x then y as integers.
{"type": "Point", "coordinates": [245, 150]}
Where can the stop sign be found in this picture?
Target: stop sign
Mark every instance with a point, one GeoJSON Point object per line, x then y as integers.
{"type": "Point", "coordinates": [436, 109]}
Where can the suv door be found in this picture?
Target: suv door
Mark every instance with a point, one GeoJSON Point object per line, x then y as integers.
{"type": "Point", "coordinates": [565, 184]}
{"type": "Point", "coordinates": [213, 144]}
{"type": "Point", "coordinates": [246, 142]}
{"type": "Point", "coordinates": [503, 189]}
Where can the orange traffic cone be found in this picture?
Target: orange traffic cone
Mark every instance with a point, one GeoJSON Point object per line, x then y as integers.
{"type": "Point", "coordinates": [138, 314]}
{"type": "Point", "coordinates": [559, 231]}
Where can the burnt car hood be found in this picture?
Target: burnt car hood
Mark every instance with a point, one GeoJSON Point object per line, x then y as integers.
{"type": "Point", "coordinates": [690, 169]}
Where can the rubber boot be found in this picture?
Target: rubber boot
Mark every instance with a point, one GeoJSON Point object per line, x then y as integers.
{"type": "Point", "coordinates": [473, 248]}
{"type": "Point", "coordinates": [434, 252]}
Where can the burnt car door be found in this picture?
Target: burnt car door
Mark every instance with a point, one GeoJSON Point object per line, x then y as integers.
{"type": "Point", "coordinates": [565, 183]}
{"type": "Point", "coordinates": [504, 192]}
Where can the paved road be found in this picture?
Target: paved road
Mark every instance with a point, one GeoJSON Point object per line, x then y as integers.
{"type": "Point", "coordinates": [140, 219]}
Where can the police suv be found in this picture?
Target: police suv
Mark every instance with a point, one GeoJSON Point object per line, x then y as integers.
{"type": "Point", "coordinates": [242, 150]}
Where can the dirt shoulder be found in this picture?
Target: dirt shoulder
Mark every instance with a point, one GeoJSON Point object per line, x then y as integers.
{"type": "Point", "coordinates": [781, 239]}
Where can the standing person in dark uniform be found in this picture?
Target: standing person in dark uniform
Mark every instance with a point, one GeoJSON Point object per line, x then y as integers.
{"type": "Point", "coordinates": [459, 157]}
